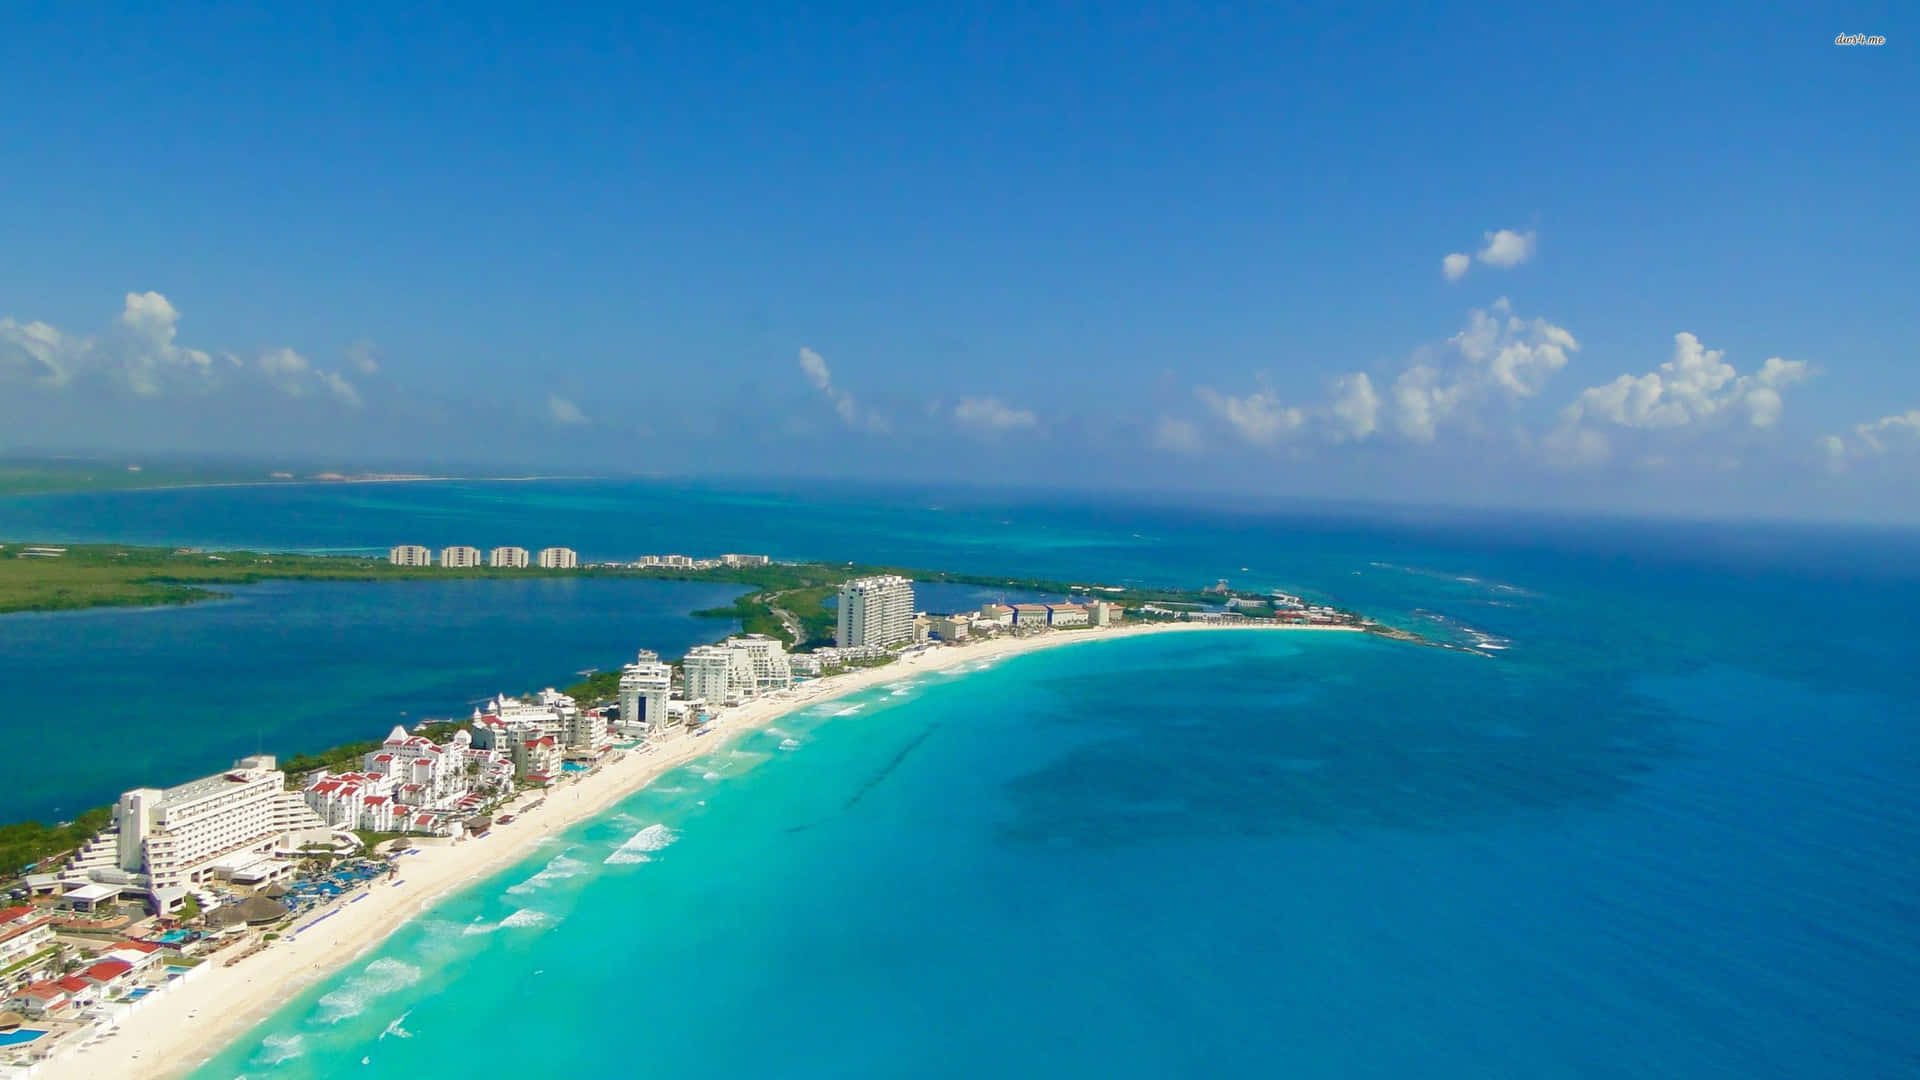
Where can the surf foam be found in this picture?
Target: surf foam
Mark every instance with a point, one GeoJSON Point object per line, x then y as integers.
{"type": "Point", "coordinates": [382, 977]}
{"type": "Point", "coordinates": [558, 868]}
{"type": "Point", "coordinates": [636, 849]}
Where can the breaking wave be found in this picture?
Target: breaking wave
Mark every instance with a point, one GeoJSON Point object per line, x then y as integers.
{"type": "Point", "coordinates": [789, 744]}
{"type": "Point", "coordinates": [558, 868]}
{"type": "Point", "coordinates": [383, 976]}
{"type": "Point", "coordinates": [635, 850]}
{"type": "Point", "coordinates": [525, 918]}
{"type": "Point", "coordinates": [275, 1049]}
{"type": "Point", "coordinates": [394, 1029]}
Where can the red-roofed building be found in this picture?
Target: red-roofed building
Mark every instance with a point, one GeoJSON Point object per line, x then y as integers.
{"type": "Point", "coordinates": [80, 992]}
{"type": "Point", "coordinates": [1029, 615]}
{"type": "Point", "coordinates": [108, 973]}
{"type": "Point", "coordinates": [342, 799]}
{"type": "Point", "coordinates": [23, 933]}
{"type": "Point", "coordinates": [428, 776]}
{"type": "Point", "coordinates": [537, 760]}
{"type": "Point", "coordinates": [39, 999]}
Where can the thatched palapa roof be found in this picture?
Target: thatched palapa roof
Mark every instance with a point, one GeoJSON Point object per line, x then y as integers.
{"type": "Point", "coordinates": [258, 910]}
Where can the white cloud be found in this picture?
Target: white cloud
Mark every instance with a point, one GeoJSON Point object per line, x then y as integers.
{"type": "Point", "coordinates": [564, 412]}
{"type": "Point", "coordinates": [339, 388]}
{"type": "Point", "coordinates": [1177, 436]}
{"type": "Point", "coordinates": [37, 353]}
{"type": "Point", "coordinates": [1423, 398]}
{"type": "Point", "coordinates": [1356, 406]}
{"type": "Point", "coordinates": [1515, 354]}
{"type": "Point", "coordinates": [364, 357]}
{"type": "Point", "coordinates": [814, 367]}
{"type": "Point", "coordinates": [1900, 431]}
{"type": "Point", "coordinates": [1259, 418]}
{"type": "Point", "coordinates": [1497, 357]}
{"type": "Point", "coordinates": [137, 352]}
{"type": "Point", "coordinates": [293, 375]}
{"type": "Point", "coordinates": [1880, 435]}
{"type": "Point", "coordinates": [140, 350]}
{"type": "Point", "coordinates": [1696, 388]}
{"type": "Point", "coordinates": [991, 415]}
{"type": "Point", "coordinates": [1502, 248]}
{"type": "Point", "coordinates": [286, 368]}
{"type": "Point", "coordinates": [1506, 248]}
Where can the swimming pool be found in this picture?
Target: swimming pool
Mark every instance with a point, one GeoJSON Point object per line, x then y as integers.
{"type": "Point", "coordinates": [19, 1036]}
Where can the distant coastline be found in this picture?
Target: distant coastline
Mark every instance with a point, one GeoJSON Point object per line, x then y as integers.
{"type": "Point", "coordinates": [315, 481]}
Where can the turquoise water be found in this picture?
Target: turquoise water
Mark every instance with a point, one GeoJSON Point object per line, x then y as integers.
{"type": "Point", "coordinates": [1664, 823]}
{"type": "Point", "coordinates": [111, 699]}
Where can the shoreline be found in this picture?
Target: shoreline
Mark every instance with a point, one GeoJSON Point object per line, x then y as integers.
{"type": "Point", "coordinates": [168, 1037]}
{"type": "Point", "coordinates": [195, 485]}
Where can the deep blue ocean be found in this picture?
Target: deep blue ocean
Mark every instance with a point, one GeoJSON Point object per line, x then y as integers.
{"type": "Point", "coordinates": [1664, 820]}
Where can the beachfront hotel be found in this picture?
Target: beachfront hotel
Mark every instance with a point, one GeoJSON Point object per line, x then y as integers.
{"type": "Point", "coordinates": [410, 555]}
{"type": "Point", "coordinates": [736, 669]}
{"type": "Point", "coordinates": [167, 841]}
{"type": "Point", "coordinates": [744, 560]}
{"type": "Point", "coordinates": [558, 558]}
{"type": "Point", "coordinates": [949, 628]}
{"type": "Point", "coordinates": [459, 557]}
{"type": "Point", "coordinates": [525, 731]}
{"type": "Point", "coordinates": [511, 558]}
{"type": "Point", "coordinates": [1028, 616]}
{"type": "Point", "coordinates": [646, 685]}
{"type": "Point", "coordinates": [1066, 615]}
{"type": "Point", "coordinates": [766, 668]}
{"type": "Point", "coordinates": [875, 611]}
{"type": "Point", "coordinates": [707, 673]}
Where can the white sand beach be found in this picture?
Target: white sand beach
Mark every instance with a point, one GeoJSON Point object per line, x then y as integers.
{"type": "Point", "coordinates": [177, 1030]}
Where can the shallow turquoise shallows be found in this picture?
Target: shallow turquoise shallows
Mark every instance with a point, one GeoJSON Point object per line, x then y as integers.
{"type": "Point", "coordinates": [1662, 822]}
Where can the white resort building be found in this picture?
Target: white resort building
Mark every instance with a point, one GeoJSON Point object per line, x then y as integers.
{"type": "Point", "coordinates": [511, 558]}
{"type": "Point", "coordinates": [646, 685]}
{"type": "Point", "coordinates": [735, 669]}
{"type": "Point", "coordinates": [458, 557]}
{"type": "Point", "coordinates": [767, 669]}
{"type": "Point", "coordinates": [875, 611]}
{"type": "Point", "coordinates": [512, 726]}
{"type": "Point", "coordinates": [744, 560]}
{"type": "Point", "coordinates": [559, 558]}
{"type": "Point", "coordinates": [410, 555]}
{"type": "Point", "coordinates": [166, 841]}
{"type": "Point", "coordinates": [1066, 615]}
{"type": "Point", "coordinates": [707, 673]}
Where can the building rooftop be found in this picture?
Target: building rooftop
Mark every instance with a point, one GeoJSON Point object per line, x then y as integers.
{"type": "Point", "coordinates": [106, 970]}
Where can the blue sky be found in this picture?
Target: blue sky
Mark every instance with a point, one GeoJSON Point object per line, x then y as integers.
{"type": "Point", "coordinates": [1155, 248]}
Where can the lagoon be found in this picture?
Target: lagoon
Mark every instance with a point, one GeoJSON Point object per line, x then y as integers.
{"type": "Point", "coordinates": [108, 699]}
